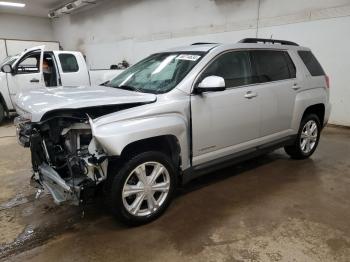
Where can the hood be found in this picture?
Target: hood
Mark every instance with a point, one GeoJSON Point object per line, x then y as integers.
{"type": "Point", "coordinates": [41, 101]}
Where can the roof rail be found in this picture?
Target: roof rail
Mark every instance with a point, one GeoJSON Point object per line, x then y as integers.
{"type": "Point", "coordinates": [265, 40]}
{"type": "Point", "coordinates": [204, 43]}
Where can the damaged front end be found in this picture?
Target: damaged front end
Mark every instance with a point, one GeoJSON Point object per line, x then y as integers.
{"type": "Point", "coordinates": [66, 159]}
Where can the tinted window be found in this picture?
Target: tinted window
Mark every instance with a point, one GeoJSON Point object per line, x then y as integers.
{"type": "Point", "coordinates": [234, 67]}
{"type": "Point", "coordinates": [273, 65]}
{"type": "Point", "coordinates": [69, 63]}
{"type": "Point", "coordinates": [311, 63]}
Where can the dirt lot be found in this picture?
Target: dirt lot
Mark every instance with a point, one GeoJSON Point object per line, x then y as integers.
{"type": "Point", "coordinates": [266, 209]}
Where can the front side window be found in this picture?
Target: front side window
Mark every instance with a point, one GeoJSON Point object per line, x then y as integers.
{"type": "Point", "coordinates": [29, 64]}
{"type": "Point", "coordinates": [69, 63]}
{"type": "Point", "coordinates": [273, 65]}
{"type": "Point", "coordinates": [234, 67]}
{"type": "Point", "coordinates": [158, 73]}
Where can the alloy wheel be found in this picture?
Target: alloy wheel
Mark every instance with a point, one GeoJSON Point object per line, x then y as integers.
{"type": "Point", "coordinates": [146, 189]}
{"type": "Point", "coordinates": [308, 137]}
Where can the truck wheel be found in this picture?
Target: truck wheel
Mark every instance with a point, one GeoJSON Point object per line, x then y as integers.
{"type": "Point", "coordinates": [307, 138]}
{"type": "Point", "coordinates": [143, 188]}
{"type": "Point", "coordinates": [2, 113]}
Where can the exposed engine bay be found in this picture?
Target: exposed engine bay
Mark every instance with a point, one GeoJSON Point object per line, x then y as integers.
{"type": "Point", "coordinates": [66, 159]}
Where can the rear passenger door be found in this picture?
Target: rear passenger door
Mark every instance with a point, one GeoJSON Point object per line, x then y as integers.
{"type": "Point", "coordinates": [277, 91]}
{"type": "Point", "coordinates": [72, 68]}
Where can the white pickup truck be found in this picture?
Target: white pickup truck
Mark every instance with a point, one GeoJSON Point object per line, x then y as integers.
{"type": "Point", "coordinates": [36, 68]}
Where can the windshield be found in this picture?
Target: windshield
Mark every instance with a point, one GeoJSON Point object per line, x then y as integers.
{"type": "Point", "coordinates": [158, 73]}
{"type": "Point", "coordinates": [9, 60]}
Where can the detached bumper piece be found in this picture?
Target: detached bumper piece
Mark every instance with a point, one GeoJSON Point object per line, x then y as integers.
{"type": "Point", "coordinates": [77, 191]}
{"type": "Point", "coordinates": [60, 190]}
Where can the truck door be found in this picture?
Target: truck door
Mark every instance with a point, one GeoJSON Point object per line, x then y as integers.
{"type": "Point", "coordinates": [72, 68]}
{"type": "Point", "coordinates": [27, 71]}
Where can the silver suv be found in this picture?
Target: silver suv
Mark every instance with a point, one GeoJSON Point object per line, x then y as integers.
{"type": "Point", "coordinates": [171, 117]}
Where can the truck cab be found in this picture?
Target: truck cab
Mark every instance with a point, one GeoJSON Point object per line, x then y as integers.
{"type": "Point", "coordinates": [36, 68]}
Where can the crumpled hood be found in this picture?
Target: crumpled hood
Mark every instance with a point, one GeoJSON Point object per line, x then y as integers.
{"type": "Point", "coordinates": [37, 102]}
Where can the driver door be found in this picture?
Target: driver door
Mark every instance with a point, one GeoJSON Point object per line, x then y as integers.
{"type": "Point", "coordinates": [226, 122]}
{"type": "Point", "coordinates": [27, 72]}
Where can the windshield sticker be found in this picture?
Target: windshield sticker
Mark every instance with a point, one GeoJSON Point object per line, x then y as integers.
{"type": "Point", "coordinates": [188, 57]}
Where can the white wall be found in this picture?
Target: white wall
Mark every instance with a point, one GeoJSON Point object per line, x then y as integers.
{"type": "Point", "coordinates": [132, 29]}
{"type": "Point", "coordinates": [125, 26]}
{"type": "Point", "coordinates": [330, 42]}
{"type": "Point", "coordinates": [25, 27]}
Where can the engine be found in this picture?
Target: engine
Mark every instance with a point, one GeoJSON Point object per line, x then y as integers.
{"type": "Point", "coordinates": [66, 159]}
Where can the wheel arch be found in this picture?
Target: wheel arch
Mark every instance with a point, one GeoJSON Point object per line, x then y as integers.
{"type": "Point", "coordinates": [310, 101]}
{"type": "Point", "coordinates": [317, 109]}
{"type": "Point", "coordinates": [167, 144]}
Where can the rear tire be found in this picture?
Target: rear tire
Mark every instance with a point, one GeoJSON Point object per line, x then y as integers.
{"type": "Point", "coordinates": [135, 196]}
{"type": "Point", "coordinates": [307, 138]}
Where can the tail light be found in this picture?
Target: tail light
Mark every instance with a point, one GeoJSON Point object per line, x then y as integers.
{"type": "Point", "coordinates": [327, 81]}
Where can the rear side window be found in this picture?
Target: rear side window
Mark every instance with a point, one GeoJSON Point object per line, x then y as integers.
{"type": "Point", "coordinates": [311, 63]}
{"type": "Point", "coordinates": [273, 65]}
{"type": "Point", "coordinates": [69, 63]}
{"type": "Point", "coordinates": [234, 67]}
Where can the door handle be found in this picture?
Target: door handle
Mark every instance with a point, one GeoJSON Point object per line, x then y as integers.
{"type": "Point", "coordinates": [296, 87]}
{"type": "Point", "coordinates": [34, 80]}
{"type": "Point", "coordinates": [250, 95]}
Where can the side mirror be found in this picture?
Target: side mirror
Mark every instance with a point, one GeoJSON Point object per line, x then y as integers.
{"type": "Point", "coordinates": [211, 84]}
{"type": "Point", "coordinates": [6, 68]}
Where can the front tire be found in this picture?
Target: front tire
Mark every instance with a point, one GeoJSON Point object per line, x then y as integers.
{"type": "Point", "coordinates": [307, 138]}
{"type": "Point", "coordinates": [143, 188]}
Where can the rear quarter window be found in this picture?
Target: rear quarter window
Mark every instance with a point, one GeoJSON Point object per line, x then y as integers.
{"type": "Point", "coordinates": [311, 63]}
{"type": "Point", "coordinates": [69, 63]}
{"type": "Point", "coordinates": [273, 65]}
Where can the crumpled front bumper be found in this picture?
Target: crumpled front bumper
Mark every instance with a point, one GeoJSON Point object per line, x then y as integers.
{"type": "Point", "coordinates": [66, 186]}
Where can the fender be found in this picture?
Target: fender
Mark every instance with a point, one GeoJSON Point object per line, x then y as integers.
{"type": "Point", "coordinates": [115, 136]}
{"type": "Point", "coordinates": [305, 99]}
